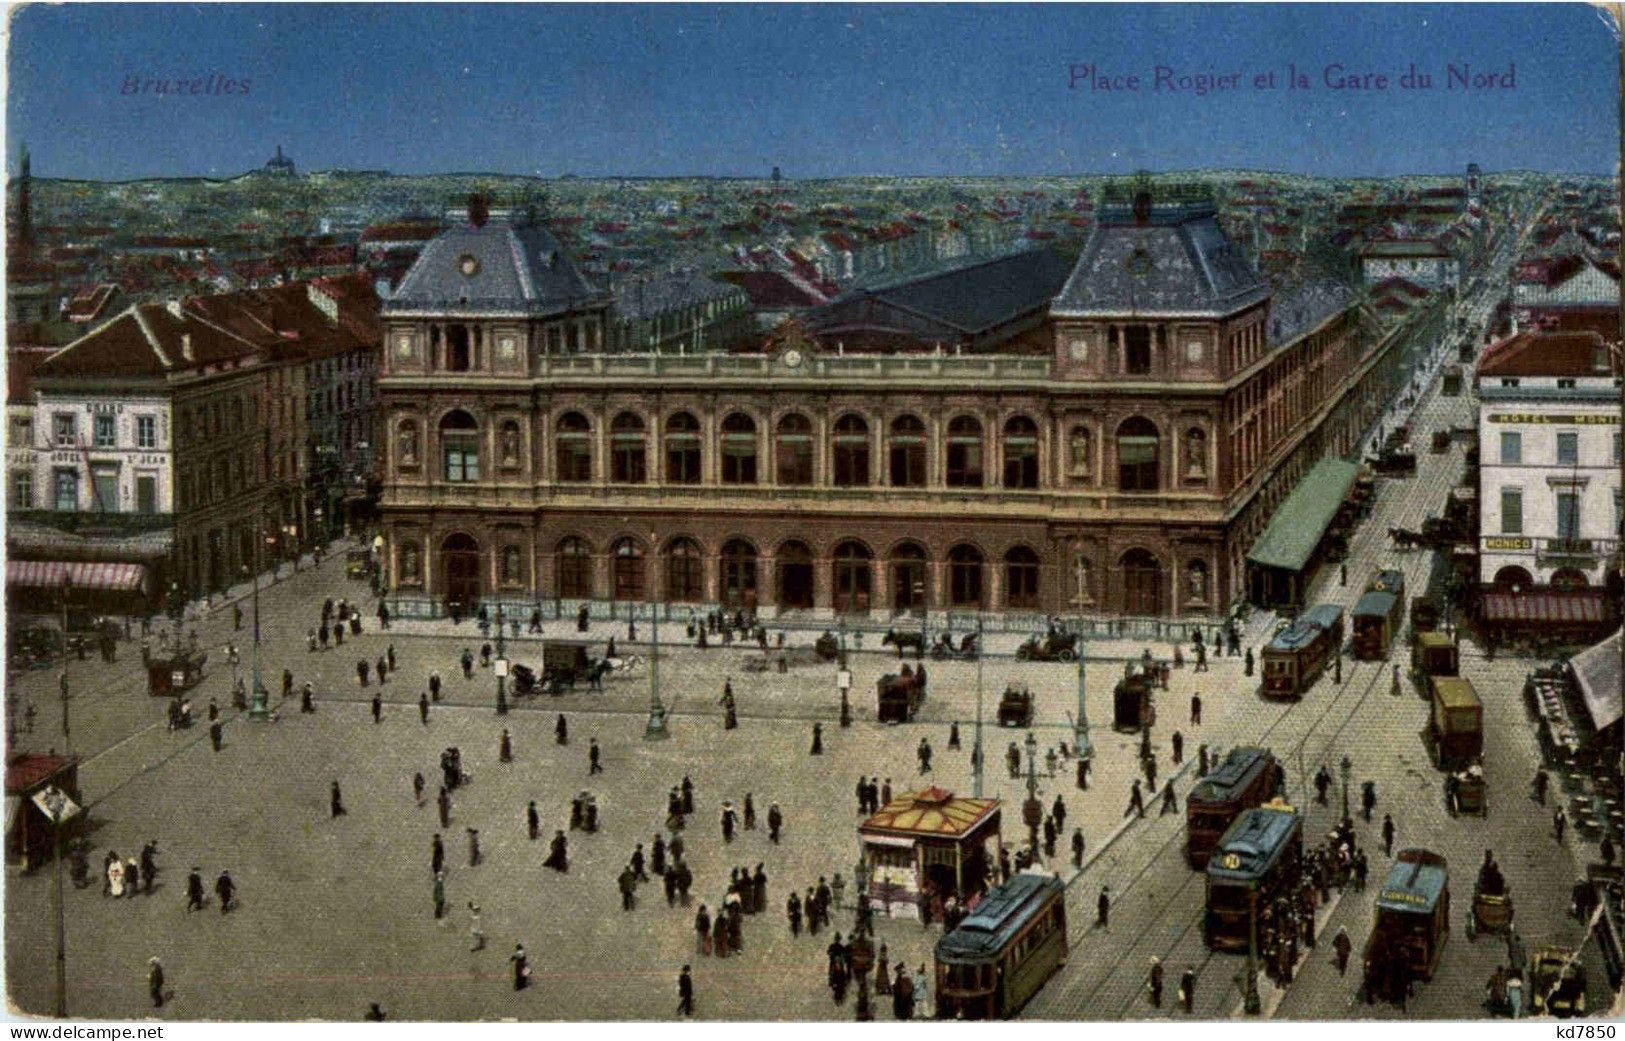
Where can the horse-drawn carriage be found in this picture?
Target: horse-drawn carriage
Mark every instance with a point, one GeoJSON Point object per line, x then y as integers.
{"type": "Point", "coordinates": [898, 695]}
{"type": "Point", "coordinates": [1056, 645]}
{"type": "Point", "coordinates": [563, 666]}
{"type": "Point", "coordinates": [944, 648]}
{"type": "Point", "coordinates": [1466, 791]}
{"type": "Point", "coordinates": [905, 640]}
{"type": "Point", "coordinates": [1133, 704]}
{"type": "Point", "coordinates": [1491, 909]}
{"type": "Point", "coordinates": [827, 647]}
{"type": "Point", "coordinates": [1016, 707]}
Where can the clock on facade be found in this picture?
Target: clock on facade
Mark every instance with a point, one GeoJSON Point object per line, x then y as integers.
{"type": "Point", "coordinates": [792, 357]}
{"type": "Point", "coordinates": [468, 264]}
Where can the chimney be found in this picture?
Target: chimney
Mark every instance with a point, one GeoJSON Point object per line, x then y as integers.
{"type": "Point", "coordinates": [186, 347]}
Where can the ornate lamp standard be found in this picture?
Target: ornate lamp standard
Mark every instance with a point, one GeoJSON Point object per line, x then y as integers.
{"type": "Point", "coordinates": [1345, 768]}
{"type": "Point", "coordinates": [1080, 736]}
{"type": "Point", "coordinates": [656, 729]}
{"type": "Point", "coordinates": [259, 703]}
{"type": "Point", "coordinates": [863, 957]}
{"type": "Point", "coordinates": [501, 668]}
{"type": "Point", "coordinates": [976, 772]}
{"type": "Point", "coordinates": [1032, 811]}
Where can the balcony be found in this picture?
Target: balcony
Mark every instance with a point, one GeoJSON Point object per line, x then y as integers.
{"type": "Point", "coordinates": [1583, 553]}
{"type": "Point", "coordinates": [858, 368]}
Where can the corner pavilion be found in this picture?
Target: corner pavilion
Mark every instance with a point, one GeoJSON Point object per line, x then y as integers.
{"type": "Point", "coordinates": [927, 842]}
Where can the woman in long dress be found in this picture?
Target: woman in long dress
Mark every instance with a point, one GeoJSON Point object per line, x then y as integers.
{"type": "Point", "coordinates": [115, 878]}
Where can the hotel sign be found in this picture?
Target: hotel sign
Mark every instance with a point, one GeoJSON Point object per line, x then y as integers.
{"type": "Point", "coordinates": [1509, 543]}
{"type": "Point", "coordinates": [1599, 419]}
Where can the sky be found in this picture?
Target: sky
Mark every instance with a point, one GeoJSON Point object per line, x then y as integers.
{"type": "Point", "coordinates": [819, 90]}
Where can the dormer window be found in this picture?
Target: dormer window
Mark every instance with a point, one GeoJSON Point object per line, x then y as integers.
{"type": "Point", "coordinates": [1565, 384]}
{"type": "Point", "coordinates": [1507, 381]}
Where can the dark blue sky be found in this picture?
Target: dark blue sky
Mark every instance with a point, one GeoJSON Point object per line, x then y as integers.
{"type": "Point", "coordinates": [818, 90]}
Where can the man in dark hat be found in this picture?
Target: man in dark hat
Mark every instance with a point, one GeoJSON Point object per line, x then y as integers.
{"type": "Point", "coordinates": [194, 890]}
{"type": "Point", "coordinates": [505, 747]}
{"type": "Point", "coordinates": [1103, 906]}
{"type": "Point", "coordinates": [437, 855]}
{"type": "Point", "coordinates": [685, 993]}
{"type": "Point", "coordinates": [561, 731]}
{"type": "Point", "coordinates": [533, 820]}
{"type": "Point", "coordinates": [224, 889]}
{"type": "Point", "coordinates": [444, 801]}
{"type": "Point", "coordinates": [377, 708]}
{"type": "Point", "coordinates": [337, 800]}
{"type": "Point", "coordinates": [423, 708]}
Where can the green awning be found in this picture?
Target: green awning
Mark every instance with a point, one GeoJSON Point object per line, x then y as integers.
{"type": "Point", "coordinates": [1298, 525]}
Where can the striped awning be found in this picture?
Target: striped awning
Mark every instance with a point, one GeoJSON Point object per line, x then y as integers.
{"type": "Point", "coordinates": [1577, 608]}
{"type": "Point", "coordinates": [54, 574]}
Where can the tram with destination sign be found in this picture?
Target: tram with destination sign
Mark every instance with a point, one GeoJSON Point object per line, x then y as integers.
{"type": "Point", "coordinates": [1000, 954]}
{"type": "Point", "coordinates": [1256, 861]}
{"type": "Point", "coordinates": [1296, 656]}
{"type": "Point", "coordinates": [1246, 779]}
{"type": "Point", "coordinates": [1377, 615]}
{"type": "Point", "coordinates": [1411, 924]}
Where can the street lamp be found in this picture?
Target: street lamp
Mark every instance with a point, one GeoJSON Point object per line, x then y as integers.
{"type": "Point", "coordinates": [259, 705]}
{"type": "Point", "coordinates": [863, 958]}
{"type": "Point", "coordinates": [1032, 811]}
{"type": "Point", "coordinates": [1345, 768]}
{"type": "Point", "coordinates": [501, 668]}
{"type": "Point", "coordinates": [656, 729]}
{"type": "Point", "coordinates": [1080, 736]}
{"type": "Point", "coordinates": [976, 773]}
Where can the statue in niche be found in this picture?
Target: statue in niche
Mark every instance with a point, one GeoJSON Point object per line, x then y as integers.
{"type": "Point", "coordinates": [409, 564]}
{"type": "Point", "coordinates": [1195, 454]}
{"type": "Point", "coordinates": [1196, 583]}
{"type": "Point", "coordinates": [510, 444]}
{"type": "Point", "coordinates": [1080, 580]}
{"type": "Point", "coordinates": [409, 444]}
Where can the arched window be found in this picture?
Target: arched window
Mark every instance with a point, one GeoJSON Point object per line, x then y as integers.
{"type": "Point", "coordinates": [508, 444]}
{"type": "Point", "coordinates": [738, 572]}
{"type": "Point", "coordinates": [1568, 579]}
{"type": "Point", "coordinates": [411, 569]}
{"type": "Point", "coordinates": [626, 563]}
{"type": "Point", "coordinates": [1020, 453]}
{"type": "Point", "coordinates": [1080, 463]}
{"type": "Point", "coordinates": [965, 576]}
{"type": "Point", "coordinates": [460, 446]}
{"type": "Point", "coordinates": [573, 448]}
{"type": "Point", "coordinates": [853, 578]}
{"type": "Point", "coordinates": [406, 442]}
{"type": "Point", "coordinates": [626, 449]}
{"type": "Point", "coordinates": [682, 449]}
{"type": "Point", "coordinates": [685, 571]}
{"type": "Point", "coordinates": [512, 566]}
{"type": "Point", "coordinates": [795, 563]}
{"type": "Point", "coordinates": [1196, 591]}
{"type": "Point", "coordinates": [1137, 455]}
{"type": "Point", "coordinates": [573, 561]}
{"type": "Point", "coordinates": [795, 450]}
{"type": "Point", "coordinates": [1021, 578]}
{"type": "Point", "coordinates": [964, 453]}
{"type": "Point", "coordinates": [1513, 579]}
{"type": "Point", "coordinates": [738, 449]}
{"type": "Point", "coordinates": [851, 451]}
{"type": "Point", "coordinates": [1196, 455]}
{"type": "Point", "coordinates": [907, 452]}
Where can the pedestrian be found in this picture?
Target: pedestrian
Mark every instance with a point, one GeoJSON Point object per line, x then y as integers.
{"type": "Point", "coordinates": [224, 889]}
{"type": "Point", "coordinates": [383, 623]}
{"type": "Point", "coordinates": [1083, 771]}
{"type": "Point", "coordinates": [685, 993]}
{"type": "Point", "coordinates": [533, 820]}
{"type": "Point", "coordinates": [324, 637]}
{"type": "Point", "coordinates": [728, 819]}
{"type": "Point", "coordinates": [639, 874]}
{"type": "Point", "coordinates": [377, 708]}
{"type": "Point", "coordinates": [628, 884]}
{"type": "Point", "coordinates": [443, 801]}
{"type": "Point", "coordinates": [1248, 662]}
{"type": "Point", "coordinates": [132, 877]}
{"type": "Point", "coordinates": [423, 708]}
{"type": "Point", "coordinates": [817, 740]}
{"type": "Point", "coordinates": [1187, 990]}
{"type": "Point", "coordinates": [1103, 907]}
{"type": "Point", "coordinates": [750, 813]}
{"type": "Point", "coordinates": [215, 734]}
{"type": "Point", "coordinates": [307, 698]}
{"type": "Point", "coordinates": [381, 667]}
{"type": "Point", "coordinates": [953, 736]}
{"type": "Point", "coordinates": [924, 754]}
{"type": "Point", "coordinates": [702, 931]}
{"type": "Point", "coordinates": [337, 801]}
{"type": "Point", "coordinates": [1560, 821]}
{"type": "Point", "coordinates": [1178, 741]}
{"type": "Point", "coordinates": [594, 759]}
{"type": "Point", "coordinates": [374, 1013]}
{"type": "Point", "coordinates": [1136, 801]}
{"type": "Point", "coordinates": [1387, 835]}
{"type": "Point", "coordinates": [236, 617]}
{"type": "Point", "coordinates": [476, 932]}
{"type": "Point", "coordinates": [792, 910]}
{"type": "Point", "coordinates": [434, 685]}
{"type": "Point", "coordinates": [688, 795]}
{"type": "Point", "coordinates": [1201, 658]}
{"type": "Point", "coordinates": [521, 967]}
{"type": "Point", "coordinates": [1059, 813]}
{"type": "Point", "coordinates": [1077, 847]}
{"type": "Point", "coordinates": [1169, 803]}
{"type": "Point", "coordinates": [775, 822]}
{"type": "Point", "coordinates": [155, 981]}
{"type": "Point", "coordinates": [505, 747]}
{"type": "Point", "coordinates": [1196, 710]}
{"type": "Point", "coordinates": [1150, 764]}
{"type": "Point", "coordinates": [1541, 781]}
{"type": "Point", "coordinates": [1049, 836]}
{"type": "Point", "coordinates": [474, 857]}
{"type": "Point", "coordinates": [1515, 994]}
{"type": "Point", "coordinates": [922, 992]}
{"type": "Point", "coordinates": [437, 855]}
{"type": "Point", "coordinates": [468, 664]}
{"type": "Point", "coordinates": [338, 633]}
{"type": "Point", "coordinates": [194, 890]}
{"type": "Point", "coordinates": [417, 788]}
{"type": "Point", "coordinates": [361, 672]}
{"type": "Point", "coordinates": [1153, 982]}
{"type": "Point", "coordinates": [440, 894]}
{"type": "Point", "coordinates": [1341, 946]}
{"type": "Point", "coordinates": [885, 794]}
{"type": "Point", "coordinates": [149, 865]}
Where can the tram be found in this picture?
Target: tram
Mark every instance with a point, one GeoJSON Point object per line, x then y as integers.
{"type": "Point", "coordinates": [1256, 861]}
{"type": "Point", "coordinates": [1411, 925]}
{"type": "Point", "coordinates": [1297, 655]}
{"type": "Point", "coordinates": [998, 957]}
{"type": "Point", "coordinates": [1376, 617]}
{"type": "Point", "coordinates": [1243, 781]}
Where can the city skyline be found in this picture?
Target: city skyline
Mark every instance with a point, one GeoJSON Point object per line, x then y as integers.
{"type": "Point", "coordinates": [820, 91]}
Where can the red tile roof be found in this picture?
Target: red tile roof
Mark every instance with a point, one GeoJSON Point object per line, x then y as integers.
{"type": "Point", "coordinates": [26, 772]}
{"type": "Point", "coordinates": [1542, 353]}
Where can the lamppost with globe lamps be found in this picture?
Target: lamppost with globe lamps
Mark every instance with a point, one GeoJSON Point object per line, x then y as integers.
{"type": "Point", "coordinates": [1032, 811]}
{"type": "Point", "coordinates": [656, 729]}
{"type": "Point", "coordinates": [863, 958]}
{"type": "Point", "coordinates": [501, 668]}
{"type": "Point", "coordinates": [1345, 768]}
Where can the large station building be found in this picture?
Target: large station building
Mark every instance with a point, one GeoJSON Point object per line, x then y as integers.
{"type": "Point", "coordinates": [1117, 453]}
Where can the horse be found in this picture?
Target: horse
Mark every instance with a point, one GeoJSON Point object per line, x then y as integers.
{"type": "Point", "coordinates": [905, 640]}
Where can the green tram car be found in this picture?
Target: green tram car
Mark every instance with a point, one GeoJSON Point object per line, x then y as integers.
{"type": "Point", "coordinates": [1256, 861]}
{"type": "Point", "coordinates": [998, 957]}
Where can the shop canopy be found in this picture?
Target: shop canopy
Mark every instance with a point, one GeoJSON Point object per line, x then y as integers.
{"type": "Point", "coordinates": [1582, 608]}
{"type": "Point", "coordinates": [54, 574]}
{"type": "Point", "coordinates": [1597, 672]}
{"type": "Point", "coordinates": [1301, 521]}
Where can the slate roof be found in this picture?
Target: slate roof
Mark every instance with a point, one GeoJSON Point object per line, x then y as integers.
{"type": "Point", "coordinates": [521, 270]}
{"type": "Point", "coordinates": [1181, 263]}
{"type": "Point", "coordinates": [1300, 308]}
{"type": "Point", "coordinates": [647, 298]}
{"type": "Point", "coordinates": [971, 298]}
{"type": "Point", "coordinates": [1301, 520]}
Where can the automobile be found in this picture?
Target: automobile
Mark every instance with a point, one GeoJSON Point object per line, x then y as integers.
{"type": "Point", "coordinates": [1058, 645]}
{"type": "Point", "coordinates": [1016, 707]}
{"type": "Point", "coordinates": [1557, 983]}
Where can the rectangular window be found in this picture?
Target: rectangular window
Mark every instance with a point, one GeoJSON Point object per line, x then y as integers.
{"type": "Point", "coordinates": [104, 431]}
{"type": "Point", "coordinates": [1568, 515]}
{"type": "Point", "coordinates": [1512, 511]}
{"type": "Point", "coordinates": [146, 432]}
{"type": "Point", "coordinates": [105, 485]}
{"type": "Point", "coordinates": [462, 457]}
{"type": "Point", "coordinates": [22, 490]}
{"type": "Point", "coordinates": [1511, 448]}
{"type": "Point", "coordinates": [22, 432]}
{"type": "Point", "coordinates": [66, 490]}
{"type": "Point", "coordinates": [64, 429]}
{"type": "Point", "coordinates": [1568, 449]}
{"type": "Point", "coordinates": [146, 493]}
{"type": "Point", "coordinates": [1137, 350]}
{"type": "Point", "coordinates": [1507, 381]}
{"type": "Point", "coordinates": [1565, 384]}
